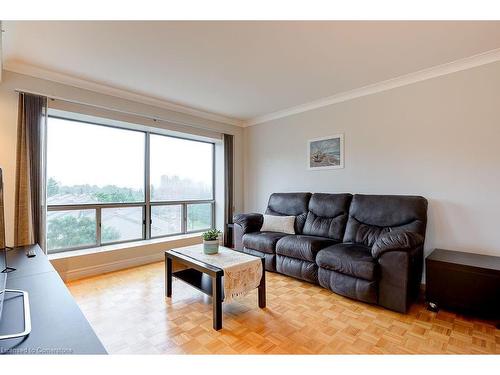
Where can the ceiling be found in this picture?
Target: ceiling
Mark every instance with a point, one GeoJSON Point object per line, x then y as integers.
{"type": "Point", "coordinates": [242, 69]}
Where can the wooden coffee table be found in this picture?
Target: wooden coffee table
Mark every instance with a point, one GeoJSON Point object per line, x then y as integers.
{"type": "Point", "coordinates": [206, 278]}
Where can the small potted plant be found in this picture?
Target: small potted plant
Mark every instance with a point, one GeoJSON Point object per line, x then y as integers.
{"type": "Point", "coordinates": [211, 241]}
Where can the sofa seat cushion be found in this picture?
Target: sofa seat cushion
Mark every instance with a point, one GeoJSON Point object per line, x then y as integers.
{"type": "Point", "coordinates": [298, 268]}
{"type": "Point", "coordinates": [262, 241]}
{"type": "Point", "coordinates": [302, 247]}
{"type": "Point", "coordinates": [348, 286]}
{"type": "Point", "coordinates": [349, 259]}
{"type": "Point", "coordinates": [269, 259]}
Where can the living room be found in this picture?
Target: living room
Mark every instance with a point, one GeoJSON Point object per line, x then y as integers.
{"type": "Point", "coordinates": [251, 185]}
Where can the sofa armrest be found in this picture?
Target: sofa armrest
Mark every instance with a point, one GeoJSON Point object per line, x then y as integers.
{"type": "Point", "coordinates": [249, 222]}
{"type": "Point", "coordinates": [400, 259]}
{"type": "Point", "coordinates": [245, 223]}
{"type": "Point", "coordinates": [400, 277]}
{"type": "Point", "coordinates": [396, 241]}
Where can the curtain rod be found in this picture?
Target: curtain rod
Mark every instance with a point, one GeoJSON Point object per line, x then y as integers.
{"type": "Point", "coordinates": [155, 119]}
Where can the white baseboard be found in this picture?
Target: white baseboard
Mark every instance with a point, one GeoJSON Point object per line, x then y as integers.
{"type": "Point", "coordinates": [80, 273]}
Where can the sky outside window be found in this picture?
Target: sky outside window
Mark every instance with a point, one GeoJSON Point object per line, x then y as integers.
{"type": "Point", "coordinates": [180, 169]}
{"type": "Point", "coordinates": [89, 163]}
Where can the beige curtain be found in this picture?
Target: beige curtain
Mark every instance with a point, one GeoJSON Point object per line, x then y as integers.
{"type": "Point", "coordinates": [28, 210]}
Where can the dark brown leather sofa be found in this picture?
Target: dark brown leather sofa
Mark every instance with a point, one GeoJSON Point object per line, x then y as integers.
{"type": "Point", "coordinates": [366, 247]}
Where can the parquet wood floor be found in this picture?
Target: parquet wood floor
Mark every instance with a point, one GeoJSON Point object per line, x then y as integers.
{"type": "Point", "coordinates": [130, 315]}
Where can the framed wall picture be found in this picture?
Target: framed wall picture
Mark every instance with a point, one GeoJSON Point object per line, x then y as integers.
{"type": "Point", "coordinates": [326, 152]}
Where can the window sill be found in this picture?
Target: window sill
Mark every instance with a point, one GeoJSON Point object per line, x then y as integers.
{"type": "Point", "coordinates": [120, 246]}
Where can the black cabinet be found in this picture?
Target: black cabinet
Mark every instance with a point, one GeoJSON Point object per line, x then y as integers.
{"type": "Point", "coordinates": [464, 282]}
{"type": "Point", "coordinates": [58, 325]}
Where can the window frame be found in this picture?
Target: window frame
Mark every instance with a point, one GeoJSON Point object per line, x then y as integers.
{"type": "Point", "coordinates": [146, 204]}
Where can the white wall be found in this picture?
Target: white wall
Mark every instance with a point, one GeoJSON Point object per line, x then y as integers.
{"type": "Point", "coordinates": [8, 133]}
{"type": "Point", "coordinates": [438, 138]}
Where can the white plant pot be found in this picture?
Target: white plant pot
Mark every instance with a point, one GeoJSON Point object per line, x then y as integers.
{"type": "Point", "coordinates": [211, 247]}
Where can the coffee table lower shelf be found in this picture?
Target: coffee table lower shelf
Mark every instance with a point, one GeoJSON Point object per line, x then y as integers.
{"type": "Point", "coordinates": [197, 280]}
{"type": "Point", "coordinates": [207, 279]}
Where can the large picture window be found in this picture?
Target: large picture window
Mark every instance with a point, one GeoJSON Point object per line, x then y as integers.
{"type": "Point", "coordinates": [108, 185]}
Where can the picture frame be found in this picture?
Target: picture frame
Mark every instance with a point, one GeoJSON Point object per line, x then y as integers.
{"type": "Point", "coordinates": [326, 152]}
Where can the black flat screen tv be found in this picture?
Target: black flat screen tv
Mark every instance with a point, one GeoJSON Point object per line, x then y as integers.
{"type": "Point", "coordinates": [3, 249]}
{"type": "Point", "coordinates": [3, 281]}
{"type": "Point", "coordinates": [4, 269]}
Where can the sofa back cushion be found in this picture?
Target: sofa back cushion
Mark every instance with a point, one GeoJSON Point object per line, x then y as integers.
{"type": "Point", "coordinates": [327, 216]}
{"type": "Point", "coordinates": [373, 215]}
{"type": "Point", "coordinates": [290, 204]}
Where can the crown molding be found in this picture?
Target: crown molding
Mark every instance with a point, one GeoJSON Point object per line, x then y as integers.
{"type": "Point", "coordinates": [404, 80]}
{"type": "Point", "coordinates": [407, 79]}
{"type": "Point", "coordinates": [50, 75]}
